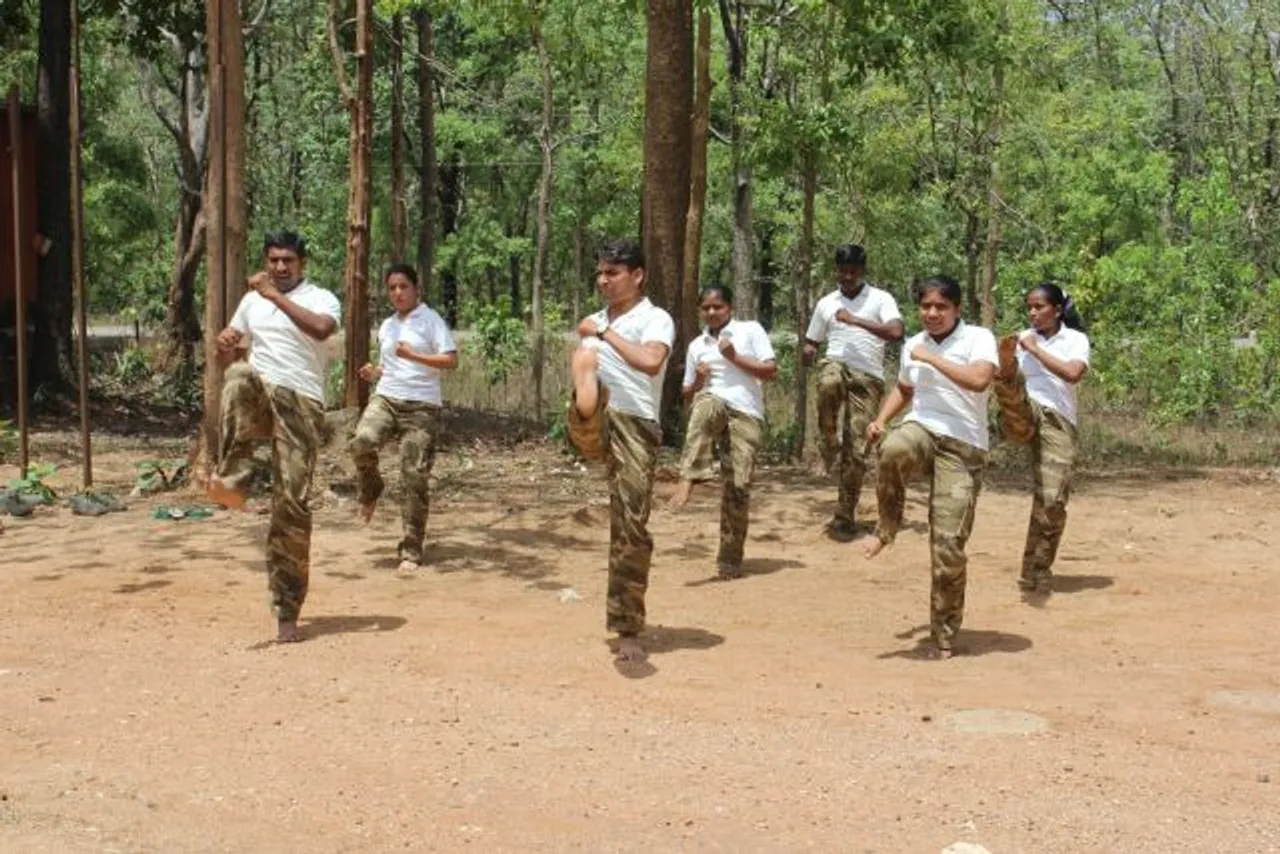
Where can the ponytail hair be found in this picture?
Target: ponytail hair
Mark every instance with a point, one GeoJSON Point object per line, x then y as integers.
{"type": "Point", "coordinates": [1058, 298]}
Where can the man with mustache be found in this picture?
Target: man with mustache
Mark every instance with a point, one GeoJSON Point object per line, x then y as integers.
{"type": "Point", "coordinates": [278, 394]}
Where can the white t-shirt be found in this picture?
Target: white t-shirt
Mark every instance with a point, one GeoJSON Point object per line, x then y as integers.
{"type": "Point", "coordinates": [630, 390]}
{"type": "Point", "coordinates": [280, 352]}
{"type": "Point", "coordinates": [939, 405]}
{"type": "Point", "coordinates": [853, 345]}
{"type": "Point", "coordinates": [738, 389]}
{"type": "Point", "coordinates": [426, 332]}
{"type": "Point", "coordinates": [1047, 389]}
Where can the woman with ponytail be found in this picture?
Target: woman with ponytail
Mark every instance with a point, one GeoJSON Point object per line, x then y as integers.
{"type": "Point", "coordinates": [1036, 388]}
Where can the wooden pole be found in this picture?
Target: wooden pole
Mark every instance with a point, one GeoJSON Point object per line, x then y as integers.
{"type": "Point", "coordinates": [21, 245]}
{"type": "Point", "coordinates": [77, 251]}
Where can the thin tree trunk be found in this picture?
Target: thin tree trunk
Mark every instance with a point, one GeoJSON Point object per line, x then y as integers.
{"type": "Point", "coordinates": [51, 358]}
{"type": "Point", "coordinates": [358, 210]}
{"type": "Point", "coordinates": [973, 257]}
{"type": "Point", "coordinates": [450, 213]}
{"type": "Point", "coordinates": [991, 251]}
{"type": "Point", "coordinates": [804, 287]}
{"type": "Point", "coordinates": [768, 272]}
{"type": "Point", "coordinates": [667, 139]}
{"type": "Point", "coordinates": [225, 210]}
{"type": "Point", "coordinates": [427, 182]}
{"type": "Point", "coordinates": [399, 219]}
{"type": "Point", "coordinates": [546, 144]}
{"type": "Point", "coordinates": [733, 17]}
{"type": "Point", "coordinates": [697, 171]}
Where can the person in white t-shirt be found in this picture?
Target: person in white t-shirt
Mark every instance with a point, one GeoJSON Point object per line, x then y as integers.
{"type": "Point", "coordinates": [856, 321]}
{"type": "Point", "coordinates": [415, 345]}
{"type": "Point", "coordinates": [724, 374]}
{"type": "Point", "coordinates": [278, 394]}
{"type": "Point", "coordinates": [1036, 389]}
{"type": "Point", "coordinates": [617, 376]}
{"type": "Point", "coordinates": [943, 384]}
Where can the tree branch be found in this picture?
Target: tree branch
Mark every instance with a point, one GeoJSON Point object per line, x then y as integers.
{"type": "Point", "coordinates": [253, 25]}
{"type": "Point", "coordinates": [339, 58]}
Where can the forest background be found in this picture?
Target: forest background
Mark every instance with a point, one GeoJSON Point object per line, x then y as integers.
{"type": "Point", "coordinates": [1127, 151]}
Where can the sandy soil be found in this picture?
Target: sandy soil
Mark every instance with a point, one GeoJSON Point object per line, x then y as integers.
{"type": "Point", "coordinates": [476, 706]}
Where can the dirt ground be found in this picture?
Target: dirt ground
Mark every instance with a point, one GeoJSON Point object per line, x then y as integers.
{"type": "Point", "coordinates": [475, 705]}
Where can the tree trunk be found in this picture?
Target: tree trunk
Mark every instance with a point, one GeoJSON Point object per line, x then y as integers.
{"type": "Point", "coordinates": [191, 133]}
{"type": "Point", "coordinates": [734, 20]}
{"type": "Point", "coordinates": [804, 287]}
{"type": "Point", "coordinates": [668, 101]}
{"type": "Point", "coordinates": [225, 211]}
{"type": "Point", "coordinates": [991, 251]}
{"type": "Point", "coordinates": [51, 358]}
{"type": "Point", "coordinates": [427, 144]}
{"type": "Point", "coordinates": [973, 256]}
{"type": "Point", "coordinates": [450, 213]}
{"type": "Point", "coordinates": [356, 391]}
{"type": "Point", "coordinates": [546, 144]}
{"type": "Point", "coordinates": [768, 273]}
{"type": "Point", "coordinates": [697, 172]}
{"type": "Point", "coordinates": [399, 223]}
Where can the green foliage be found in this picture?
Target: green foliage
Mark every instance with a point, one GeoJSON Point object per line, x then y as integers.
{"type": "Point", "coordinates": [34, 483]}
{"type": "Point", "coordinates": [499, 340]}
{"type": "Point", "coordinates": [159, 475]}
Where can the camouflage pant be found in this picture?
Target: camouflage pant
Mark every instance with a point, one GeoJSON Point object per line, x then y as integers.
{"type": "Point", "coordinates": [415, 423]}
{"type": "Point", "coordinates": [631, 451]}
{"type": "Point", "coordinates": [253, 411]}
{"type": "Point", "coordinates": [860, 395]}
{"type": "Point", "coordinates": [711, 422]}
{"type": "Point", "coordinates": [1053, 453]}
{"type": "Point", "coordinates": [955, 469]}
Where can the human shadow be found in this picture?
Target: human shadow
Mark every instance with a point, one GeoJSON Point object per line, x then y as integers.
{"type": "Point", "coordinates": [474, 557]}
{"type": "Point", "coordinates": [968, 643]}
{"type": "Point", "coordinates": [345, 576]}
{"type": "Point", "coordinates": [659, 640]}
{"type": "Point", "coordinates": [315, 627]}
{"type": "Point", "coordinates": [751, 566]}
{"type": "Point", "coordinates": [145, 585]}
{"type": "Point", "coordinates": [1080, 583]}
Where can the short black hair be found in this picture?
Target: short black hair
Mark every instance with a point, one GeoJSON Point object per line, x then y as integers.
{"type": "Point", "coordinates": [285, 239]}
{"type": "Point", "coordinates": [851, 255]}
{"type": "Point", "coordinates": [406, 270]}
{"type": "Point", "coordinates": [726, 293]}
{"type": "Point", "coordinates": [948, 287]}
{"type": "Point", "coordinates": [619, 251]}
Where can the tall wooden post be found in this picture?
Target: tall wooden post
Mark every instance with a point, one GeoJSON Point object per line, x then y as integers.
{"type": "Point", "coordinates": [77, 254]}
{"type": "Point", "coordinates": [224, 205]}
{"type": "Point", "coordinates": [20, 246]}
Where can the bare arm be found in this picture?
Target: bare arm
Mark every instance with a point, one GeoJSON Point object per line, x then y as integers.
{"type": "Point", "coordinates": [229, 349]}
{"type": "Point", "coordinates": [972, 377]}
{"type": "Point", "coordinates": [1071, 371]}
{"type": "Point", "coordinates": [312, 324]}
{"type": "Point", "coordinates": [891, 331]}
{"type": "Point", "coordinates": [760, 369]}
{"type": "Point", "coordinates": [439, 361]}
{"type": "Point", "coordinates": [645, 358]}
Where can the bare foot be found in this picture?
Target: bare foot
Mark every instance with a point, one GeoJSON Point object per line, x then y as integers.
{"type": "Point", "coordinates": [630, 651]}
{"type": "Point", "coordinates": [937, 653]}
{"type": "Point", "coordinates": [407, 565]}
{"type": "Point", "coordinates": [874, 548]}
{"type": "Point", "coordinates": [366, 511]}
{"type": "Point", "coordinates": [729, 571]}
{"type": "Point", "coordinates": [683, 490]}
{"type": "Point", "coordinates": [220, 493]}
{"type": "Point", "coordinates": [586, 385]}
{"type": "Point", "coordinates": [1008, 357]}
{"type": "Point", "coordinates": [288, 632]}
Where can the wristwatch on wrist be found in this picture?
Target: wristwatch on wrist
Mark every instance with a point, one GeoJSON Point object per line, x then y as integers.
{"type": "Point", "coordinates": [602, 329]}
